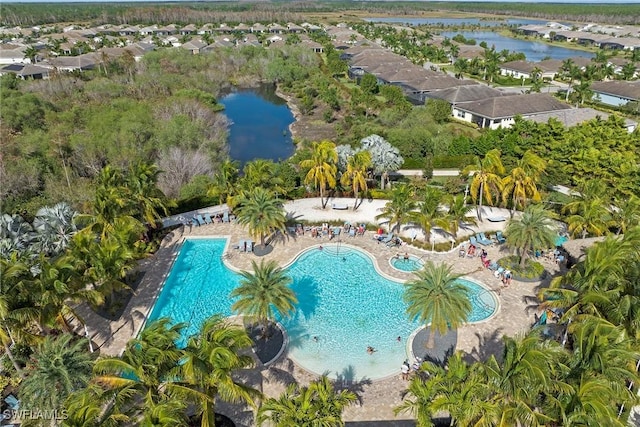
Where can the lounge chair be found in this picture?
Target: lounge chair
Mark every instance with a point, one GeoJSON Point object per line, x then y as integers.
{"type": "Point", "coordinates": [195, 222]}
{"type": "Point", "coordinates": [241, 246]}
{"type": "Point", "coordinates": [225, 216]}
{"type": "Point", "coordinates": [473, 241]}
{"type": "Point", "coordinates": [500, 237]}
{"type": "Point", "coordinates": [207, 218]}
{"type": "Point", "coordinates": [352, 232]}
{"type": "Point", "coordinates": [249, 246]}
{"type": "Point", "coordinates": [388, 238]}
{"type": "Point", "coordinates": [200, 220]}
{"type": "Point", "coordinates": [483, 239]}
{"type": "Point", "coordinates": [496, 219]}
{"type": "Point", "coordinates": [340, 206]}
{"type": "Point", "coordinates": [12, 402]}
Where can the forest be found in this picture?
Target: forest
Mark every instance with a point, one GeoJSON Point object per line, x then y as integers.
{"type": "Point", "coordinates": [28, 14]}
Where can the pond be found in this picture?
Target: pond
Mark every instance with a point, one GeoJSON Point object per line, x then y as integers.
{"type": "Point", "coordinates": [534, 51]}
{"type": "Point", "coordinates": [260, 124]}
{"type": "Point", "coordinates": [451, 22]}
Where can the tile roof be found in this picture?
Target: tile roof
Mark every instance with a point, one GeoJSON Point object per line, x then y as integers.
{"type": "Point", "coordinates": [461, 94]}
{"type": "Point", "coordinates": [512, 105]}
{"type": "Point", "coordinates": [620, 88]}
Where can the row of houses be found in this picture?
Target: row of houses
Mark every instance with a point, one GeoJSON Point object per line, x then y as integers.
{"type": "Point", "coordinates": [603, 41]}
{"type": "Point", "coordinates": [473, 102]}
{"type": "Point", "coordinates": [549, 69]}
{"type": "Point", "coordinates": [166, 30]}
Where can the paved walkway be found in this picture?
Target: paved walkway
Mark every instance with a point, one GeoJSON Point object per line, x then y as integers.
{"type": "Point", "coordinates": [377, 398]}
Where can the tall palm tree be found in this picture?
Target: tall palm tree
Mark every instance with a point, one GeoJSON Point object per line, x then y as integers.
{"type": "Point", "coordinates": [588, 215]}
{"type": "Point", "coordinates": [436, 297]}
{"type": "Point", "coordinates": [533, 230]}
{"type": "Point", "coordinates": [147, 372]}
{"type": "Point", "coordinates": [319, 404]}
{"type": "Point", "coordinates": [429, 213]}
{"type": "Point", "coordinates": [149, 202]}
{"type": "Point", "coordinates": [626, 214]}
{"type": "Point", "coordinates": [485, 180]}
{"type": "Point", "coordinates": [210, 360]}
{"type": "Point", "coordinates": [322, 167]}
{"type": "Point", "coordinates": [398, 208]}
{"type": "Point", "coordinates": [264, 293]}
{"type": "Point", "coordinates": [458, 215]}
{"type": "Point", "coordinates": [59, 366]}
{"type": "Point", "coordinates": [356, 174]}
{"type": "Point", "coordinates": [570, 71]}
{"type": "Point", "coordinates": [262, 213]}
{"type": "Point", "coordinates": [521, 184]}
{"type": "Point", "coordinates": [224, 181]}
{"type": "Point", "coordinates": [525, 373]}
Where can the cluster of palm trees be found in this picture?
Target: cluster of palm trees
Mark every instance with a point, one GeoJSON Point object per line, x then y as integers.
{"type": "Point", "coordinates": [64, 258]}
{"type": "Point", "coordinates": [585, 376]}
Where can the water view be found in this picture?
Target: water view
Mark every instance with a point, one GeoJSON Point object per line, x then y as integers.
{"type": "Point", "coordinates": [260, 124]}
{"type": "Point", "coordinates": [457, 21]}
{"type": "Point", "coordinates": [534, 51]}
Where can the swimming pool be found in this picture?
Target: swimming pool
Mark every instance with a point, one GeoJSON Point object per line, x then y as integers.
{"type": "Point", "coordinates": [342, 301]}
{"type": "Point", "coordinates": [410, 264]}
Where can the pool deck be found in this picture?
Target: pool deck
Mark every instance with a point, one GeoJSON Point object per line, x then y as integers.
{"type": "Point", "coordinates": [378, 398]}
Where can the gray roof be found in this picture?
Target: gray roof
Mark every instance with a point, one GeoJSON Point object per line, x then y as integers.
{"type": "Point", "coordinates": [621, 88]}
{"type": "Point", "coordinates": [25, 70]}
{"type": "Point", "coordinates": [575, 116]}
{"type": "Point", "coordinates": [512, 105]}
{"type": "Point", "coordinates": [461, 94]}
{"type": "Point", "coordinates": [436, 83]}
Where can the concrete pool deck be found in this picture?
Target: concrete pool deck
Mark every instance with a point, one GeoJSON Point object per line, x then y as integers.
{"type": "Point", "coordinates": [378, 398]}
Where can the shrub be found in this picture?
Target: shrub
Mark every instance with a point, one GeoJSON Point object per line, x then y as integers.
{"type": "Point", "coordinates": [532, 269]}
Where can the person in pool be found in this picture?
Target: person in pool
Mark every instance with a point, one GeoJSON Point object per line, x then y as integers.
{"type": "Point", "coordinates": [371, 350]}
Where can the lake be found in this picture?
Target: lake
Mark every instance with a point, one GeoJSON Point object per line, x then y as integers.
{"type": "Point", "coordinates": [534, 51]}
{"type": "Point", "coordinates": [457, 21]}
{"type": "Point", "coordinates": [260, 124]}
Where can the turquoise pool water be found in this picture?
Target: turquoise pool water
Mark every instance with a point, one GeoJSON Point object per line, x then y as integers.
{"type": "Point", "coordinates": [406, 265]}
{"type": "Point", "coordinates": [343, 302]}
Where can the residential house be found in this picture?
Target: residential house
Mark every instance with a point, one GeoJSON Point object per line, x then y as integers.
{"type": "Point", "coordinates": [194, 46]}
{"type": "Point", "coordinates": [25, 71]}
{"type": "Point", "coordinates": [524, 69]}
{"type": "Point", "coordinates": [13, 54]}
{"type": "Point", "coordinates": [575, 116]}
{"type": "Point", "coordinates": [616, 92]}
{"type": "Point", "coordinates": [501, 111]}
{"type": "Point", "coordinates": [258, 28]}
{"type": "Point", "coordinates": [621, 43]}
{"type": "Point", "coordinates": [87, 61]}
{"type": "Point", "coordinates": [462, 94]}
{"type": "Point", "coordinates": [277, 29]}
{"type": "Point", "coordinates": [294, 28]}
{"type": "Point", "coordinates": [187, 30]}
{"type": "Point", "coordinates": [314, 46]}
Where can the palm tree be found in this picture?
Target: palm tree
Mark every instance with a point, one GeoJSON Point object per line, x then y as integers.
{"type": "Point", "coordinates": [521, 184]}
{"type": "Point", "coordinates": [626, 214]}
{"type": "Point", "coordinates": [316, 405]}
{"type": "Point", "coordinates": [356, 174]}
{"type": "Point", "coordinates": [485, 181]}
{"type": "Point", "coordinates": [146, 373]}
{"type": "Point", "coordinates": [59, 366]}
{"type": "Point", "coordinates": [208, 366]}
{"type": "Point", "coordinates": [398, 208]}
{"type": "Point", "coordinates": [458, 214]}
{"type": "Point", "coordinates": [224, 181]}
{"type": "Point", "coordinates": [588, 215]}
{"type": "Point", "coordinates": [524, 375]}
{"type": "Point", "coordinates": [570, 71]}
{"type": "Point", "coordinates": [322, 167]}
{"type": "Point", "coordinates": [264, 293]}
{"type": "Point", "coordinates": [429, 213]}
{"type": "Point", "coordinates": [262, 213]}
{"type": "Point", "coordinates": [582, 92]}
{"type": "Point", "coordinates": [145, 195]}
{"type": "Point", "coordinates": [435, 297]}
{"type": "Point", "coordinates": [533, 230]}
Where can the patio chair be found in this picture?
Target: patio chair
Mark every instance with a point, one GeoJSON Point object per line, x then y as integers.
{"type": "Point", "coordinates": [195, 222]}
{"type": "Point", "coordinates": [200, 220]}
{"type": "Point", "coordinates": [12, 402]}
{"type": "Point", "coordinates": [473, 241]}
{"type": "Point", "coordinates": [388, 238]}
{"type": "Point", "coordinates": [352, 232]}
{"type": "Point", "coordinates": [500, 237]}
{"type": "Point", "coordinates": [249, 246]}
{"type": "Point", "coordinates": [241, 246]}
{"type": "Point", "coordinates": [225, 216]}
{"type": "Point", "coordinates": [483, 239]}
{"type": "Point", "coordinates": [207, 218]}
